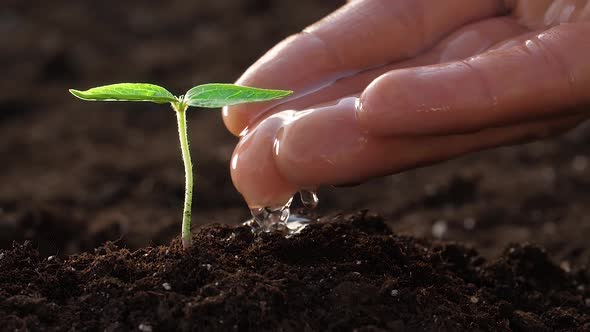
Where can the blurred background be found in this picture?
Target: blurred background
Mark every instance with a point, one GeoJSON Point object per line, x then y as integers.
{"type": "Point", "coordinates": [73, 174]}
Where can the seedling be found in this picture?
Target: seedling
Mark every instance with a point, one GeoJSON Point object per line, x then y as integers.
{"type": "Point", "coordinates": [206, 96]}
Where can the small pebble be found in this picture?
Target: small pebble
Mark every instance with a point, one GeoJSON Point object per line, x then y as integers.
{"type": "Point", "coordinates": [394, 292]}
{"type": "Point", "coordinates": [145, 327]}
{"type": "Point", "coordinates": [473, 299]}
{"type": "Point", "coordinates": [439, 229]}
{"type": "Point", "coordinates": [565, 265]}
{"type": "Point", "coordinates": [469, 224]}
{"type": "Point", "coordinates": [580, 163]}
{"type": "Point", "coordinates": [167, 286]}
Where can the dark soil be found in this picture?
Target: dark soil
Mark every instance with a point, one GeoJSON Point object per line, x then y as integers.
{"type": "Point", "coordinates": [75, 175]}
{"type": "Point", "coordinates": [346, 273]}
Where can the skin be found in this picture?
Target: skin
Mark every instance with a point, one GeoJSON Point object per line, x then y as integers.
{"type": "Point", "coordinates": [382, 86]}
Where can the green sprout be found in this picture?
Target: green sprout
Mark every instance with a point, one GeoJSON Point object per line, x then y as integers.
{"type": "Point", "coordinates": [206, 96]}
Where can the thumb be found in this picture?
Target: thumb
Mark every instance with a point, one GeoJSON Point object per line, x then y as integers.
{"type": "Point", "coordinates": [541, 77]}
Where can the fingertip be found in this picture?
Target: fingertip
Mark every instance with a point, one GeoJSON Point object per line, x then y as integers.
{"type": "Point", "coordinates": [366, 105]}
{"type": "Point", "coordinates": [300, 63]}
{"type": "Point", "coordinates": [253, 169]}
{"type": "Point", "coordinates": [230, 122]}
{"type": "Point", "coordinates": [430, 100]}
{"type": "Point", "coordinates": [381, 107]}
{"type": "Point", "coordinates": [237, 118]}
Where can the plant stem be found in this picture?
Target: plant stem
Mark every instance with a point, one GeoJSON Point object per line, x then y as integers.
{"type": "Point", "coordinates": [180, 109]}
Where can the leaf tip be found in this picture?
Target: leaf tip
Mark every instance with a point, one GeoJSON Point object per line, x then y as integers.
{"type": "Point", "coordinates": [76, 93]}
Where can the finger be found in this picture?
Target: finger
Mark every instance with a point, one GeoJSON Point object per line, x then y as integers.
{"type": "Point", "coordinates": [253, 169]}
{"type": "Point", "coordinates": [541, 77]}
{"type": "Point", "coordinates": [542, 14]}
{"type": "Point", "coordinates": [360, 35]}
{"type": "Point", "coordinates": [326, 146]}
{"type": "Point", "coordinates": [467, 41]}
{"type": "Point", "coordinates": [290, 151]}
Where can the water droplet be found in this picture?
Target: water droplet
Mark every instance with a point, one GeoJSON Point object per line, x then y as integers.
{"type": "Point", "coordinates": [268, 219]}
{"type": "Point", "coordinates": [309, 198]}
{"type": "Point", "coordinates": [267, 216]}
{"type": "Point", "coordinates": [279, 219]}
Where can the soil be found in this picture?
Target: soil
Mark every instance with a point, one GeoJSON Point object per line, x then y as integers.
{"type": "Point", "coordinates": [337, 275]}
{"type": "Point", "coordinates": [76, 175]}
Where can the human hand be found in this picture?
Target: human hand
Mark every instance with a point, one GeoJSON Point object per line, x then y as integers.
{"type": "Point", "coordinates": [389, 85]}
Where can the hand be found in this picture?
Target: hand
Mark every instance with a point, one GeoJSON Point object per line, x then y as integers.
{"type": "Point", "coordinates": [390, 85]}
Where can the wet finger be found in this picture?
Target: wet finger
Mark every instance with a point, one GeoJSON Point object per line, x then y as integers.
{"type": "Point", "coordinates": [541, 77]}
{"type": "Point", "coordinates": [326, 147]}
{"type": "Point", "coordinates": [360, 35]}
{"type": "Point", "coordinates": [468, 41]}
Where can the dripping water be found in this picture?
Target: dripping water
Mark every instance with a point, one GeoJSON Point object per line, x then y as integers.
{"type": "Point", "coordinates": [309, 198]}
{"type": "Point", "coordinates": [280, 219]}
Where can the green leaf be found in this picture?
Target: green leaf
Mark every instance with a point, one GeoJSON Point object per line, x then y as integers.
{"type": "Point", "coordinates": [220, 95]}
{"type": "Point", "coordinates": [127, 92]}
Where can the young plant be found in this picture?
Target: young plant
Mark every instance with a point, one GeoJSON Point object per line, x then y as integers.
{"type": "Point", "coordinates": [206, 96]}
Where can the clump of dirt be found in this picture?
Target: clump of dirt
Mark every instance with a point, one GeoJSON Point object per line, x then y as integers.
{"type": "Point", "coordinates": [342, 273]}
